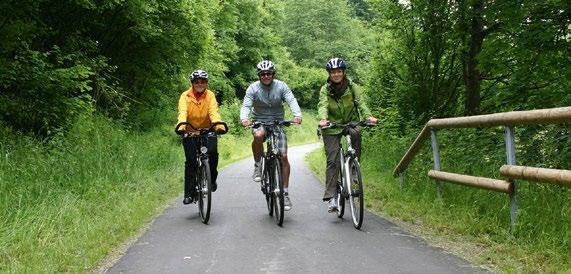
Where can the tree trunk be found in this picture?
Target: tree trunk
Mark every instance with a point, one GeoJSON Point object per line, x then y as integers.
{"type": "Point", "coordinates": [472, 76]}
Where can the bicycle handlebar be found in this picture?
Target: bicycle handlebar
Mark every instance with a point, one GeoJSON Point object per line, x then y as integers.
{"type": "Point", "coordinates": [202, 131]}
{"type": "Point", "coordinates": [349, 125]}
{"type": "Point", "coordinates": [258, 124]}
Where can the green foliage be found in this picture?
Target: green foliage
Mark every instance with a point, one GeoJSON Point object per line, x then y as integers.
{"type": "Point", "coordinates": [59, 197]}
{"type": "Point", "coordinates": [527, 60]}
{"type": "Point", "coordinates": [230, 114]}
{"type": "Point", "coordinates": [64, 62]}
{"type": "Point", "coordinates": [313, 27]}
{"type": "Point", "coordinates": [541, 239]}
{"type": "Point", "coordinates": [256, 41]}
{"type": "Point", "coordinates": [543, 209]}
{"type": "Point", "coordinates": [305, 84]}
{"type": "Point", "coordinates": [42, 93]}
{"type": "Point", "coordinates": [416, 65]}
{"type": "Point", "coordinates": [423, 50]}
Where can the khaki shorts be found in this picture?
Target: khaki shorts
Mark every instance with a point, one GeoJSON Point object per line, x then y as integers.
{"type": "Point", "coordinates": [281, 138]}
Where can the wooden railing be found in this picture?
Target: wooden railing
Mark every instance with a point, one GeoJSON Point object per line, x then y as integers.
{"type": "Point", "coordinates": [511, 171]}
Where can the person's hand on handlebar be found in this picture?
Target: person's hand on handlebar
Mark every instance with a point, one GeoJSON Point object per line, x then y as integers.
{"type": "Point", "coordinates": [297, 120]}
{"type": "Point", "coordinates": [246, 123]}
{"type": "Point", "coordinates": [323, 123]}
{"type": "Point", "coordinates": [372, 120]}
{"type": "Point", "coordinates": [219, 129]}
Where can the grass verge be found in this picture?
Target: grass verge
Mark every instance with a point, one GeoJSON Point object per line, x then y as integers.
{"type": "Point", "coordinates": [68, 204]}
{"type": "Point", "coordinates": [471, 223]}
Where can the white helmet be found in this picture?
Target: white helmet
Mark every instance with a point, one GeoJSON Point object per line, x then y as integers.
{"type": "Point", "coordinates": [199, 74]}
{"type": "Point", "coordinates": [335, 63]}
{"type": "Point", "coordinates": [266, 65]}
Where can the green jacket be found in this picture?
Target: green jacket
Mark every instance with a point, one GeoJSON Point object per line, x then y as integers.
{"type": "Point", "coordinates": [351, 107]}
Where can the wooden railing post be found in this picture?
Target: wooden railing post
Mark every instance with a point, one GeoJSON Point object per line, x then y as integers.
{"type": "Point", "coordinates": [436, 157]}
{"type": "Point", "coordinates": [402, 181]}
{"type": "Point", "coordinates": [510, 155]}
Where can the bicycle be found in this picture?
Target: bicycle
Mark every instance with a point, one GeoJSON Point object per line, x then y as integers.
{"type": "Point", "coordinates": [203, 176]}
{"type": "Point", "coordinates": [349, 181]}
{"type": "Point", "coordinates": [272, 185]}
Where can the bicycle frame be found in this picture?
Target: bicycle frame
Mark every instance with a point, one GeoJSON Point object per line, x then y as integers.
{"type": "Point", "coordinates": [345, 157]}
{"type": "Point", "coordinates": [269, 156]}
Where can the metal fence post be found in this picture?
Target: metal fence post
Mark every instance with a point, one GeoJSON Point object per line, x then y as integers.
{"type": "Point", "coordinates": [436, 157]}
{"type": "Point", "coordinates": [402, 181]}
{"type": "Point", "coordinates": [510, 155]}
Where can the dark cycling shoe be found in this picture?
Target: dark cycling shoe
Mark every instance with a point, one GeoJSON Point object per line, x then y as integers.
{"type": "Point", "coordinates": [214, 186]}
{"type": "Point", "coordinates": [187, 200]}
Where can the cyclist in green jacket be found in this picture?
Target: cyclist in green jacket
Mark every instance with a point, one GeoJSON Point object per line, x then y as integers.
{"type": "Point", "coordinates": [340, 101]}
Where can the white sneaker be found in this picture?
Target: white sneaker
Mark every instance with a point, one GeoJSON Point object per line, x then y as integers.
{"type": "Point", "coordinates": [257, 176]}
{"type": "Point", "coordinates": [287, 202]}
{"type": "Point", "coordinates": [332, 207]}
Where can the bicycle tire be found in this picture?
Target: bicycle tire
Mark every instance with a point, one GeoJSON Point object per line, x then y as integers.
{"type": "Point", "coordinates": [266, 187]}
{"type": "Point", "coordinates": [277, 191]}
{"type": "Point", "coordinates": [204, 191]}
{"type": "Point", "coordinates": [356, 199]}
{"type": "Point", "coordinates": [341, 192]}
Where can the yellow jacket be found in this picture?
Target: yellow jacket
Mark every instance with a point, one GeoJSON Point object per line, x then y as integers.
{"type": "Point", "coordinates": [199, 112]}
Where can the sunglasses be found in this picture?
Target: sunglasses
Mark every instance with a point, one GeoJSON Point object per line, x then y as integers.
{"type": "Point", "coordinates": [266, 74]}
{"type": "Point", "coordinates": [200, 81]}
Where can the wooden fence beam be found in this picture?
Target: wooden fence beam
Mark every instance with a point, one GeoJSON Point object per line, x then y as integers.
{"type": "Point", "coordinates": [544, 175]}
{"type": "Point", "coordinates": [473, 181]}
{"type": "Point", "coordinates": [538, 116]}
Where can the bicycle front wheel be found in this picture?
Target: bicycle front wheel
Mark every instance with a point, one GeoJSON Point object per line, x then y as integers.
{"type": "Point", "coordinates": [277, 191]}
{"type": "Point", "coordinates": [340, 195]}
{"type": "Point", "coordinates": [356, 198]}
{"type": "Point", "coordinates": [266, 187]}
{"type": "Point", "coordinates": [204, 191]}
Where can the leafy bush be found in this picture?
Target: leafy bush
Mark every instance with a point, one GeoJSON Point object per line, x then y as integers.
{"type": "Point", "coordinates": [42, 96]}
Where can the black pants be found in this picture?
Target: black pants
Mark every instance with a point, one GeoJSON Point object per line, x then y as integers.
{"type": "Point", "coordinates": [191, 146]}
{"type": "Point", "coordinates": [331, 143]}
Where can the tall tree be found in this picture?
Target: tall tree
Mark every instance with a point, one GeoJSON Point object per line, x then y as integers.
{"type": "Point", "coordinates": [417, 63]}
{"type": "Point", "coordinates": [321, 29]}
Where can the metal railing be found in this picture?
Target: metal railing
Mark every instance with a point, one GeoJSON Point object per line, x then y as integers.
{"type": "Point", "coordinates": [511, 171]}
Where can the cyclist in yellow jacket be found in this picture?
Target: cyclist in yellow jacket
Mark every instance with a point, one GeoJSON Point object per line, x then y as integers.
{"type": "Point", "coordinates": [198, 106]}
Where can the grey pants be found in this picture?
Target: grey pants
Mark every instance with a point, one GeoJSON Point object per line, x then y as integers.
{"type": "Point", "coordinates": [332, 143]}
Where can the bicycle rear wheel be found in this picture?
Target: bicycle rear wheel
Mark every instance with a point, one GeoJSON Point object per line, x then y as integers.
{"type": "Point", "coordinates": [277, 190]}
{"type": "Point", "coordinates": [356, 199]}
{"type": "Point", "coordinates": [204, 191]}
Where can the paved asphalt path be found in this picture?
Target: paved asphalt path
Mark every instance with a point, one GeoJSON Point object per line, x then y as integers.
{"type": "Point", "coordinates": [242, 238]}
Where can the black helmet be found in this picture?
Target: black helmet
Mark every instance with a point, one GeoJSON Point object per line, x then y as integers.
{"type": "Point", "coordinates": [199, 74]}
{"type": "Point", "coordinates": [335, 63]}
{"type": "Point", "coordinates": [266, 65]}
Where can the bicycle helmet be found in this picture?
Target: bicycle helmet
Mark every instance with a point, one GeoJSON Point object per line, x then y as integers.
{"type": "Point", "coordinates": [199, 74]}
{"type": "Point", "coordinates": [335, 63]}
{"type": "Point", "coordinates": [266, 65]}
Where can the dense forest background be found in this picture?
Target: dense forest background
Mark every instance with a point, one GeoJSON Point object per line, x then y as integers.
{"type": "Point", "coordinates": [417, 59]}
{"type": "Point", "coordinates": [72, 68]}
